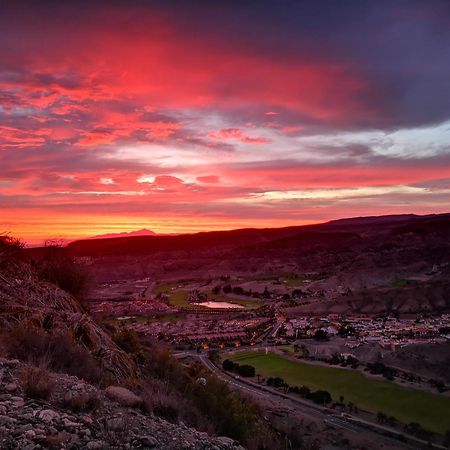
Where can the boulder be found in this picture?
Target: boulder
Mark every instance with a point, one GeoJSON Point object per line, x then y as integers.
{"type": "Point", "coordinates": [123, 396]}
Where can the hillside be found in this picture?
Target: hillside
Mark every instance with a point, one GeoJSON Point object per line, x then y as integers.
{"type": "Point", "coordinates": [365, 257]}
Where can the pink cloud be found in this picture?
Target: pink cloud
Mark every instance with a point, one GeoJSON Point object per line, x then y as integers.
{"type": "Point", "coordinates": [235, 133]}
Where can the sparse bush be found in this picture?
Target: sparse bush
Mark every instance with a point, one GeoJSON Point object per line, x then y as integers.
{"type": "Point", "coordinates": [10, 252]}
{"type": "Point", "coordinates": [58, 351]}
{"type": "Point", "coordinates": [127, 340]}
{"type": "Point", "coordinates": [58, 267]}
{"type": "Point", "coordinates": [36, 383]}
{"type": "Point", "coordinates": [83, 402]}
{"type": "Point", "coordinates": [10, 246]}
{"type": "Point", "coordinates": [163, 401]}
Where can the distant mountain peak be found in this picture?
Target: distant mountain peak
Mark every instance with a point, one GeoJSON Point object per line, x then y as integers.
{"type": "Point", "coordinates": [142, 232]}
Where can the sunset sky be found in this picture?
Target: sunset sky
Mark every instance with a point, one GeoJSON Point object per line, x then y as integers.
{"type": "Point", "coordinates": [183, 116]}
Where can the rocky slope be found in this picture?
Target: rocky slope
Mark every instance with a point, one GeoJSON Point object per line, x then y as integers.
{"type": "Point", "coordinates": [106, 422]}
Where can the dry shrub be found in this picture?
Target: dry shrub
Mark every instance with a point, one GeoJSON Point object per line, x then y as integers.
{"type": "Point", "coordinates": [83, 402]}
{"type": "Point", "coordinates": [58, 267]}
{"type": "Point", "coordinates": [58, 351]}
{"type": "Point", "coordinates": [10, 249]}
{"type": "Point", "coordinates": [36, 383]}
{"type": "Point", "coordinates": [115, 429]}
{"type": "Point", "coordinates": [162, 400]}
{"type": "Point", "coordinates": [127, 340]}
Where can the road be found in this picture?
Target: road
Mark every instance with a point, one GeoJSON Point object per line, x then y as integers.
{"type": "Point", "coordinates": [351, 424]}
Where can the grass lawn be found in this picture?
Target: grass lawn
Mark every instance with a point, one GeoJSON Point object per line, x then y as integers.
{"type": "Point", "coordinates": [287, 348]}
{"type": "Point", "coordinates": [400, 282]}
{"type": "Point", "coordinates": [432, 411]}
{"type": "Point", "coordinates": [178, 298]}
{"type": "Point", "coordinates": [164, 288]}
{"type": "Point", "coordinates": [293, 282]}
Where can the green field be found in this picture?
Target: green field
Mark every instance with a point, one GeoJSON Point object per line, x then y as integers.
{"type": "Point", "coordinates": [178, 298]}
{"type": "Point", "coordinates": [432, 411]}
{"type": "Point", "coordinates": [164, 288]}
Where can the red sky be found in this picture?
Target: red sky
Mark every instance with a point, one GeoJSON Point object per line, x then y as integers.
{"type": "Point", "coordinates": [116, 116]}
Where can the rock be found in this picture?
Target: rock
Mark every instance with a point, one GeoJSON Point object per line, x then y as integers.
{"type": "Point", "coordinates": [86, 432]}
{"type": "Point", "coordinates": [30, 434]}
{"type": "Point", "coordinates": [87, 420]}
{"type": "Point", "coordinates": [29, 446]}
{"type": "Point", "coordinates": [116, 424]}
{"type": "Point", "coordinates": [148, 441]}
{"type": "Point", "coordinates": [5, 420]}
{"type": "Point", "coordinates": [11, 387]}
{"type": "Point", "coordinates": [48, 415]}
{"type": "Point", "coordinates": [95, 445]}
{"type": "Point", "coordinates": [69, 424]}
{"type": "Point", "coordinates": [123, 396]}
{"type": "Point", "coordinates": [226, 441]}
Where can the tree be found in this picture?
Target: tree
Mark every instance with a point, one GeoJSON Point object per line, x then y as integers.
{"type": "Point", "coordinates": [246, 371]}
{"type": "Point", "coordinates": [276, 382]}
{"type": "Point", "coordinates": [213, 355]}
{"type": "Point", "coordinates": [228, 365]}
{"type": "Point", "coordinates": [227, 288]}
{"type": "Point", "coordinates": [321, 335]}
{"type": "Point", "coordinates": [320, 397]}
{"type": "Point", "coordinates": [304, 391]}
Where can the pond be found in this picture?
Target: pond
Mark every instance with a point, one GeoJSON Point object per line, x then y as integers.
{"type": "Point", "coordinates": [222, 305]}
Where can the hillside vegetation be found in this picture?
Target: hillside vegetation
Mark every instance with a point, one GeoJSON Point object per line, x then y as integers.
{"type": "Point", "coordinates": [102, 389]}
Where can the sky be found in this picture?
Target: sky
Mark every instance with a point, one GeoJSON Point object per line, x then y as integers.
{"type": "Point", "coordinates": [183, 116]}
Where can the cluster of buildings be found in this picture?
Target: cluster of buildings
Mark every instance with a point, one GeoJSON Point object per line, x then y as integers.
{"type": "Point", "coordinates": [206, 332]}
{"type": "Point", "coordinates": [386, 332]}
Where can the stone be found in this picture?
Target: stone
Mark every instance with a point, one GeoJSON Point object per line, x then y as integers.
{"type": "Point", "coordinates": [30, 434]}
{"type": "Point", "coordinates": [123, 396]}
{"type": "Point", "coordinates": [87, 420]}
{"type": "Point", "coordinates": [69, 424]}
{"type": "Point", "coordinates": [5, 420]}
{"type": "Point", "coordinates": [11, 387]}
{"type": "Point", "coordinates": [225, 441]}
{"type": "Point", "coordinates": [48, 415]}
{"type": "Point", "coordinates": [29, 446]}
{"type": "Point", "coordinates": [95, 445]}
{"type": "Point", "coordinates": [148, 441]}
{"type": "Point", "coordinates": [116, 424]}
